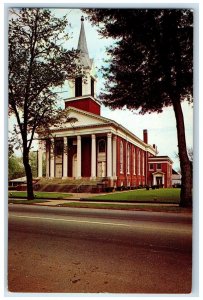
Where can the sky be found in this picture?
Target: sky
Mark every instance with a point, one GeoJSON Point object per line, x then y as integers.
{"type": "Point", "coordinates": [161, 127]}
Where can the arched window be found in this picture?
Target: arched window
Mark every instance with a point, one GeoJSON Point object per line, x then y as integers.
{"type": "Point", "coordinates": [121, 157]}
{"type": "Point", "coordinates": [102, 146]}
{"type": "Point", "coordinates": [58, 147]}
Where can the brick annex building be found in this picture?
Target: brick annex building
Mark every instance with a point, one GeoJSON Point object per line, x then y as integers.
{"type": "Point", "coordinates": [98, 148]}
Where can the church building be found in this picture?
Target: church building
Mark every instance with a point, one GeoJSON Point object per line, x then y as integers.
{"type": "Point", "coordinates": [95, 147]}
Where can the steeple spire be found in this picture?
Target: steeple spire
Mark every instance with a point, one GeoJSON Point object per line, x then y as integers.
{"type": "Point", "coordinates": [82, 44]}
{"type": "Point", "coordinates": [82, 47]}
{"type": "Point", "coordinates": [82, 90]}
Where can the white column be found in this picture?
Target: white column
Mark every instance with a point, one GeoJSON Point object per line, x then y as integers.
{"type": "Point", "coordinates": [154, 180]}
{"type": "Point", "coordinates": [40, 147]}
{"type": "Point", "coordinates": [93, 157]}
{"type": "Point", "coordinates": [47, 157]}
{"type": "Point", "coordinates": [52, 158]}
{"type": "Point", "coordinates": [115, 156]}
{"type": "Point", "coordinates": [109, 155]}
{"type": "Point", "coordinates": [65, 157]}
{"type": "Point", "coordinates": [78, 156]}
{"type": "Point", "coordinates": [163, 180]}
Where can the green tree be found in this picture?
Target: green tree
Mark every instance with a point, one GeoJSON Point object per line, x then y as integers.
{"type": "Point", "coordinates": [15, 167]}
{"type": "Point", "coordinates": [34, 162]}
{"type": "Point", "coordinates": [38, 64]}
{"type": "Point", "coordinates": [150, 67]}
{"type": "Point", "coordinates": [10, 150]}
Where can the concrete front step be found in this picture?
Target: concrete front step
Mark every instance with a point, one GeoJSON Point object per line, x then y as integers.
{"type": "Point", "coordinates": [70, 185]}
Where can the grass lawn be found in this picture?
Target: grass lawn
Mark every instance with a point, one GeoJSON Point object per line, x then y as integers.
{"type": "Point", "coordinates": [22, 201]}
{"type": "Point", "coordinates": [171, 195]}
{"type": "Point", "coordinates": [152, 196]}
{"type": "Point", "coordinates": [40, 195]}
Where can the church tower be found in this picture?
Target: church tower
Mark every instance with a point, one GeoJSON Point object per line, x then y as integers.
{"type": "Point", "coordinates": [82, 87]}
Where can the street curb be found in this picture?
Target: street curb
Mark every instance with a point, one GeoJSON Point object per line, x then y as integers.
{"type": "Point", "coordinates": [100, 200]}
{"type": "Point", "coordinates": [126, 201]}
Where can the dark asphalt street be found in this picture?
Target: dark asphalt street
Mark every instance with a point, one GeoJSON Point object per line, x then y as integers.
{"type": "Point", "coordinates": [68, 250]}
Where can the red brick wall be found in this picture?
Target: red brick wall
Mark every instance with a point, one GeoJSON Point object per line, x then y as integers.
{"type": "Point", "coordinates": [86, 157]}
{"type": "Point", "coordinates": [165, 168]}
{"type": "Point", "coordinates": [86, 104]}
{"type": "Point", "coordinates": [124, 178]}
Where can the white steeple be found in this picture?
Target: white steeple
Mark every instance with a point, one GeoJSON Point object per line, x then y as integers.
{"type": "Point", "coordinates": [82, 47]}
{"type": "Point", "coordinates": [82, 88]}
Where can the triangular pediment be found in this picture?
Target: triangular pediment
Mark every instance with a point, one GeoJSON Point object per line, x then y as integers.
{"type": "Point", "coordinates": [158, 173]}
{"type": "Point", "coordinates": [79, 118]}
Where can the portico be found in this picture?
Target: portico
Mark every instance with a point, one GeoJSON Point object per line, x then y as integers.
{"type": "Point", "coordinates": [79, 156]}
{"type": "Point", "coordinates": [158, 178]}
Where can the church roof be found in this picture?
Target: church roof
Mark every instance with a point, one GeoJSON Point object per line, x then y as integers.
{"type": "Point", "coordinates": [89, 120]}
{"type": "Point", "coordinates": [82, 47]}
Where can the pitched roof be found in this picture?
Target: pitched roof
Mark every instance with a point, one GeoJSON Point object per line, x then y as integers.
{"type": "Point", "coordinates": [21, 179]}
{"type": "Point", "coordinates": [175, 172]}
{"type": "Point", "coordinates": [98, 121]}
{"type": "Point", "coordinates": [160, 158]}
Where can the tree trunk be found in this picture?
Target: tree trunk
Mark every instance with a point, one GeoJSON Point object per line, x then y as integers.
{"type": "Point", "coordinates": [28, 172]}
{"type": "Point", "coordinates": [185, 165]}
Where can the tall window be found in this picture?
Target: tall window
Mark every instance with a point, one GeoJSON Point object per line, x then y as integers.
{"type": "Point", "coordinates": [58, 151]}
{"type": "Point", "coordinates": [151, 167]}
{"type": "Point", "coordinates": [121, 157]}
{"type": "Point", "coordinates": [102, 146]}
{"type": "Point", "coordinates": [58, 147]}
{"type": "Point", "coordinates": [78, 86]}
{"type": "Point", "coordinates": [158, 167]}
{"type": "Point", "coordinates": [139, 162]}
{"type": "Point", "coordinates": [128, 159]}
{"type": "Point", "coordinates": [92, 87]}
{"type": "Point", "coordinates": [134, 162]}
{"type": "Point", "coordinates": [143, 164]}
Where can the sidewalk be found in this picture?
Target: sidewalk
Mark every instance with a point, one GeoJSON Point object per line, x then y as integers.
{"type": "Point", "coordinates": [50, 202]}
{"type": "Point", "coordinates": [85, 198]}
{"type": "Point", "coordinates": [77, 203]}
{"type": "Point", "coordinates": [78, 200]}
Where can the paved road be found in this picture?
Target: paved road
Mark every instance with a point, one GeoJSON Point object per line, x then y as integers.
{"type": "Point", "coordinates": [67, 250]}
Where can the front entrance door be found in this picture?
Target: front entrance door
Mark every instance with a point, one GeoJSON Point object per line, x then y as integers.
{"type": "Point", "coordinates": [74, 166]}
{"type": "Point", "coordinates": [101, 158]}
{"type": "Point", "coordinates": [159, 181]}
{"type": "Point", "coordinates": [101, 172]}
{"type": "Point", "coordinates": [58, 171]}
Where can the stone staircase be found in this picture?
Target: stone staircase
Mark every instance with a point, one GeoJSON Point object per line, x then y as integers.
{"type": "Point", "coordinates": [70, 185]}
